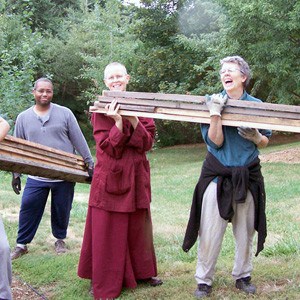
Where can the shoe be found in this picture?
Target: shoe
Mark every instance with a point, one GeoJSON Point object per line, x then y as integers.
{"type": "Point", "coordinates": [60, 247]}
{"type": "Point", "coordinates": [203, 290]}
{"type": "Point", "coordinates": [245, 285]}
{"type": "Point", "coordinates": [18, 252]}
{"type": "Point", "coordinates": [152, 281]}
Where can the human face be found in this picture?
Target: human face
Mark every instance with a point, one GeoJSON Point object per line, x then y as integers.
{"type": "Point", "coordinates": [116, 79]}
{"type": "Point", "coordinates": [232, 78]}
{"type": "Point", "coordinates": [43, 93]}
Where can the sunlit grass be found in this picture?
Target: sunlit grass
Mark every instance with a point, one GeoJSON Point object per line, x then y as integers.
{"type": "Point", "coordinates": [174, 173]}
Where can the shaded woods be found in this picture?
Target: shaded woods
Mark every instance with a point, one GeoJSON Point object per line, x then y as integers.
{"type": "Point", "coordinates": [167, 46]}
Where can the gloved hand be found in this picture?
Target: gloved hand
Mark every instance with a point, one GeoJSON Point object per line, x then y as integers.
{"type": "Point", "coordinates": [251, 134]}
{"type": "Point", "coordinates": [16, 183]}
{"type": "Point", "coordinates": [90, 170]}
{"type": "Point", "coordinates": [215, 104]}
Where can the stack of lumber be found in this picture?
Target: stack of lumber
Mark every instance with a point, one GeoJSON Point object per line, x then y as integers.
{"type": "Point", "coordinates": [191, 108]}
{"type": "Point", "coordinates": [21, 156]}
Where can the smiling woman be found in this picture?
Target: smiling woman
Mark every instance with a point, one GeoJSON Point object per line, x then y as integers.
{"type": "Point", "coordinates": [116, 77]}
{"type": "Point", "coordinates": [234, 70]}
{"type": "Point", "coordinates": [232, 158]}
{"type": "Point", "coordinates": [117, 249]}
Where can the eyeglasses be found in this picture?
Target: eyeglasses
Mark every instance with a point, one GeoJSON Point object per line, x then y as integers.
{"type": "Point", "coordinates": [231, 70]}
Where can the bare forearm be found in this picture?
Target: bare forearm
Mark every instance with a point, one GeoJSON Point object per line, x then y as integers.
{"type": "Point", "coordinates": [215, 132]}
{"type": "Point", "coordinates": [264, 142]}
{"type": "Point", "coordinates": [133, 120]}
{"type": "Point", "coordinates": [119, 124]}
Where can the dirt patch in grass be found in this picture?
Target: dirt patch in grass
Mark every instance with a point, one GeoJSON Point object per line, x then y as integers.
{"type": "Point", "coordinates": [279, 285]}
{"type": "Point", "coordinates": [22, 290]}
{"type": "Point", "coordinates": [10, 213]}
{"type": "Point", "coordinates": [289, 156]}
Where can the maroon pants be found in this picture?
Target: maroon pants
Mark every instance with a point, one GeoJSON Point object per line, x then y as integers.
{"type": "Point", "coordinates": [117, 250]}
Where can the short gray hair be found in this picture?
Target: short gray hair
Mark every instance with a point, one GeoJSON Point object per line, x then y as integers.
{"type": "Point", "coordinates": [243, 65]}
{"type": "Point", "coordinates": [115, 63]}
{"type": "Point", "coordinates": [42, 79]}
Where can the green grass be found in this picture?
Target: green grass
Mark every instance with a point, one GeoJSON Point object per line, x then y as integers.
{"type": "Point", "coordinates": [174, 173]}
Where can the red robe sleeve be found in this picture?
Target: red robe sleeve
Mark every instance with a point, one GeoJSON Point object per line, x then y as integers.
{"type": "Point", "coordinates": [107, 136]}
{"type": "Point", "coordinates": [142, 137]}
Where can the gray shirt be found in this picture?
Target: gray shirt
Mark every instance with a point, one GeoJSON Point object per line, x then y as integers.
{"type": "Point", "coordinates": [58, 129]}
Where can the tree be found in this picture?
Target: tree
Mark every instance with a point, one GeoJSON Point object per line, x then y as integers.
{"type": "Point", "coordinates": [19, 59]}
{"type": "Point", "coordinates": [268, 35]}
{"type": "Point", "coordinates": [88, 40]}
{"type": "Point", "coordinates": [42, 15]}
{"type": "Point", "coordinates": [164, 64]}
{"type": "Point", "coordinates": [265, 33]}
{"type": "Point", "coordinates": [109, 39]}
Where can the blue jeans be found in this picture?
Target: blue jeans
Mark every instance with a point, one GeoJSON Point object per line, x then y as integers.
{"type": "Point", "coordinates": [33, 204]}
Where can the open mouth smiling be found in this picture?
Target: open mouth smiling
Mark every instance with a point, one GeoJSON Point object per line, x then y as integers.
{"type": "Point", "coordinates": [228, 81]}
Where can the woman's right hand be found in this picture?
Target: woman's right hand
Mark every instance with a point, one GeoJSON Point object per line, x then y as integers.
{"type": "Point", "coordinates": [112, 112]}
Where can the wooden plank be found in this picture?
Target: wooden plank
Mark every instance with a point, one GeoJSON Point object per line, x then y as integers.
{"type": "Point", "coordinates": [234, 117]}
{"type": "Point", "coordinates": [205, 119]}
{"type": "Point", "coordinates": [144, 107]}
{"type": "Point", "coordinates": [19, 165]}
{"type": "Point", "coordinates": [102, 104]}
{"type": "Point", "coordinates": [32, 145]}
{"type": "Point", "coordinates": [31, 155]}
{"type": "Point", "coordinates": [193, 109]}
{"type": "Point", "coordinates": [147, 102]}
{"type": "Point", "coordinates": [34, 150]}
{"type": "Point", "coordinates": [37, 151]}
{"type": "Point", "coordinates": [201, 100]}
{"type": "Point", "coordinates": [155, 96]}
{"type": "Point", "coordinates": [21, 156]}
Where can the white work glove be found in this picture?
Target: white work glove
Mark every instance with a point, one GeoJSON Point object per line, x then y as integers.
{"type": "Point", "coordinates": [251, 134]}
{"type": "Point", "coordinates": [215, 104]}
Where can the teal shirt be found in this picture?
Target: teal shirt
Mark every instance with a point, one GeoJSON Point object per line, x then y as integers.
{"type": "Point", "coordinates": [235, 151]}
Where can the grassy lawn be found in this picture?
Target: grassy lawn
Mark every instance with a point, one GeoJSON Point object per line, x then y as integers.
{"type": "Point", "coordinates": [174, 172]}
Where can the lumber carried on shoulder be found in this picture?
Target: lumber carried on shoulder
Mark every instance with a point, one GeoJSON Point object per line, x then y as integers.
{"type": "Point", "coordinates": [191, 108]}
{"type": "Point", "coordinates": [21, 156]}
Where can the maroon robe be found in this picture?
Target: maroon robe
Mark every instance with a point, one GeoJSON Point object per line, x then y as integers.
{"type": "Point", "coordinates": [117, 247]}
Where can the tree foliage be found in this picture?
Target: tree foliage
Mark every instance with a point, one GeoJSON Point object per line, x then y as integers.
{"type": "Point", "coordinates": [87, 42]}
{"type": "Point", "coordinates": [167, 46]}
{"type": "Point", "coordinates": [19, 60]}
{"type": "Point", "coordinates": [268, 35]}
{"type": "Point", "coordinates": [42, 15]}
{"type": "Point", "coordinates": [265, 33]}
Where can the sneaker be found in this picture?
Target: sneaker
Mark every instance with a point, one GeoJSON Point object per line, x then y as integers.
{"type": "Point", "coordinates": [60, 247]}
{"type": "Point", "coordinates": [245, 285]}
{"type": "Point", "coordinates": [203, 290]}
{"type": "Point", "coordinates": [18, 252]}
